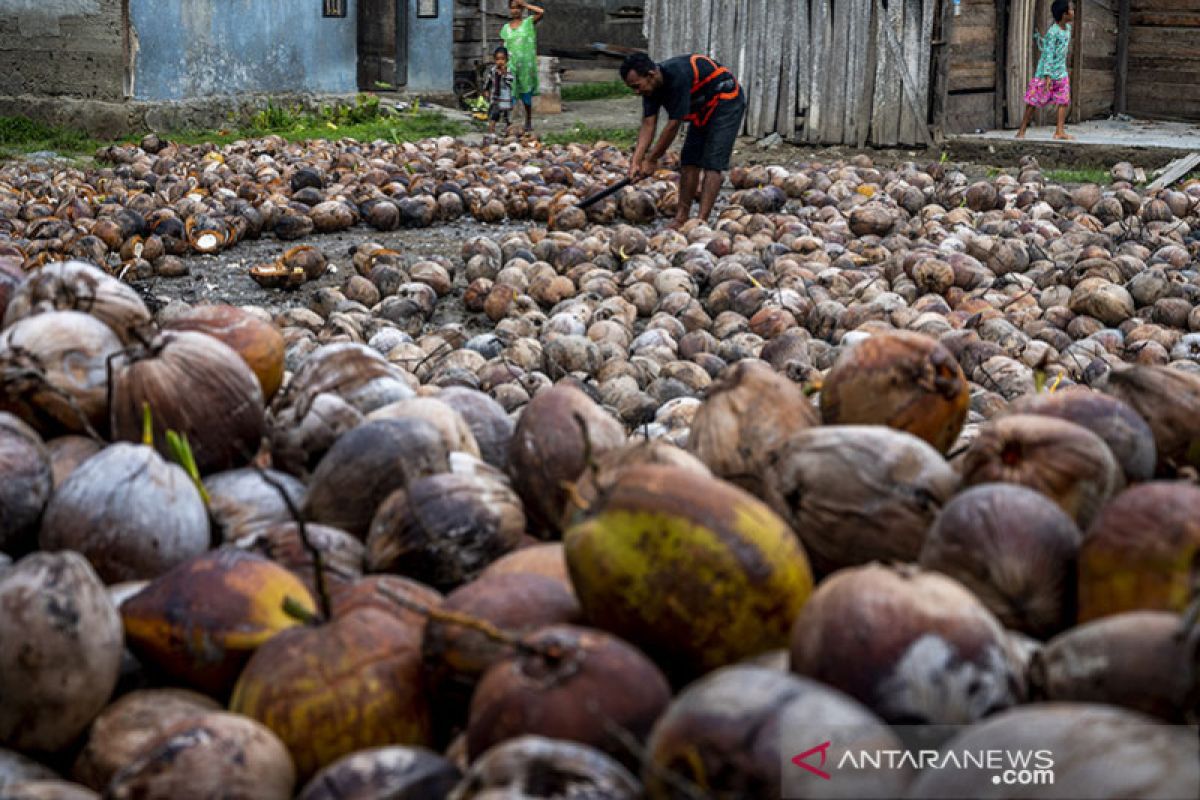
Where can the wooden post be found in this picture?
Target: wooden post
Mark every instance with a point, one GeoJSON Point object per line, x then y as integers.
{"type": "Point", "coordinates": [126, 51]}
{"type": "Point", "coordinates": [1000, 103]}
{"type": "Point", "coordinates": [1123, 14]}
{"type": "Point", "coordinates": [483, 32]}
{"type": "Point", "coordinates": [865, 109]}
{"type": "Point", "coordinates": [1075, 110]}
{"type": "Point", "coordinates": [941, 70]}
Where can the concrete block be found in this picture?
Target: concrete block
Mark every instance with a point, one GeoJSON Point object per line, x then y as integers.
{"type": "Point", "coordinates": [549, 98]}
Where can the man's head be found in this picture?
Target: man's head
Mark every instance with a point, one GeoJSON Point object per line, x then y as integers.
{"type": "Point", "coordinates": [641, 74]}
{"type": "Point", "coordinates": [500, 57]}
{"type": "Point", "coordinates": [1062, 10]}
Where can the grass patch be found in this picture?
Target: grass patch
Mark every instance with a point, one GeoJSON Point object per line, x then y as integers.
{"type": "Point", "coordinates": [405, 127]}
{"type": "Point", "coordinates": [1092, 175]}
{"type": "Point", "coordinates": [365, 121]}
{"type": "Point", "coordinates": [22, 135]}
{"type": "Point", "coordinates": [585, 134]}
{"type": "Point", "coordinates": [601, 90]}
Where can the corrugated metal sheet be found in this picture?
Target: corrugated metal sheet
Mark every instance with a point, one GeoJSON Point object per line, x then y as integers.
{"type": "Point", "coordinates": [819, 71]}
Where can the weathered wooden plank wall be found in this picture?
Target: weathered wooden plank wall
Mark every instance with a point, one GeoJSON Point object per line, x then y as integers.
{"type": "Point", "coordinates": [970, 102]}
{"type": "Point", "coordinates": [1164, 59]}
{"type": "Point", "coordinates": [1095, 83]}
{"type": "Point", "coordinates": [819, 71]}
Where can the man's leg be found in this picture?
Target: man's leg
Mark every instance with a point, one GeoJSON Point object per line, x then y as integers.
{"type": "Point", "coordinates": [689, 181]}
{"type": "Point", "coordinates": [720, 136]}
{"type": "Point", "coordinates": [689, 173]}
{"type": "Point", "coordinates": [709, 191]}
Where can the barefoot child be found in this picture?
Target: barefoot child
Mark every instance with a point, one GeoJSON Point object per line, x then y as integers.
{"type": "Point", "coordinates": [1051, 85]}
{"type": "Point", "coordinates": [498, 87]}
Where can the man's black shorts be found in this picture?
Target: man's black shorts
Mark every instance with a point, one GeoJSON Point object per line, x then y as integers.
{"type": "Point", "coordinates": [711, 146]}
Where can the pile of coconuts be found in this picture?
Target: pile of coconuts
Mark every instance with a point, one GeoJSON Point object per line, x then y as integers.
{"type": "Point", "coordinates": [878, 446]}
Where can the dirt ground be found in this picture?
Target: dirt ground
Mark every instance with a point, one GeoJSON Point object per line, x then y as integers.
{"type": "Point", "coordinates": [224, 277]}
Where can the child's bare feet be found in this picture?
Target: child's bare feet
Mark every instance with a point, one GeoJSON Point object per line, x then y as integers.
{"type": "Point", "coordinates": [1066, 137]}
{"type": "Point", "coordinates": [676, 223]}
{"type": "Point", "coordinates": [1020, 134]}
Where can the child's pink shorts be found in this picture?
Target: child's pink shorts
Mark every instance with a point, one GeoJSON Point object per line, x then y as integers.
{"type": "Point", "coordinates": [1059, 93]}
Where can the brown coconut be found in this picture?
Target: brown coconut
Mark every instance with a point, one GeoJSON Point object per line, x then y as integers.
{"type": "Point", "coordinates": [903, 380]}
{"type": "Point", "coordinates": [1066, 462]}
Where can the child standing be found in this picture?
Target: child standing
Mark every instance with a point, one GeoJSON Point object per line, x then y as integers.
{"type": "Point", "coordinates": [1051, 84]}
{"type": "Point", "coordinates": [498, 87]}
{"type": "Point", "coordinates": [521, 40]}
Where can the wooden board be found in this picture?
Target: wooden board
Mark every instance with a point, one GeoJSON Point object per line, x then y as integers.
{"type": "Point", "coordinates": [885, 119]}
{"type": "Point", "coordinates": [833, 122]}
{"type": "Point", "coordinates": [1184, 19]}
{"type": "Point", "coordinates": [820, 33]}
{"type": "Point", "coordinates": [1142, 6]}
{"type": "Point", "coordinates": [1174, 171]}
{"type": "Point", "coordinates": [925, 58]}
{"type": "Point", "coordinates": [858, 50]}
{"type": "Point", "coordinates": [965, 113]}
{"type": "Point", "coordinates": [976, 76]}
{"type": "Point", "coordinates": [803, 64]}
{"type": "Point", "coordinates": [1022, 56]}
{"type": "Point", "coordinates": [1164, 40]}
{"type": "Point", "coordinates": [1186, 96]}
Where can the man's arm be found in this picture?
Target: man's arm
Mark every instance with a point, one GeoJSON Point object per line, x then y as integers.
{"type": "Point", "coordinates": [645, 138]}
{"type": "Point", "coordinates": [669, 132]}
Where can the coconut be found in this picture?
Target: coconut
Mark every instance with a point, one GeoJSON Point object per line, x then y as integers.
{"type": "Point", "coordinates": [857, 493]}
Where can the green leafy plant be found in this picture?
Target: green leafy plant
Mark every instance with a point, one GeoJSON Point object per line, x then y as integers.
{"type": "Point", "coordinates": [181, 451]}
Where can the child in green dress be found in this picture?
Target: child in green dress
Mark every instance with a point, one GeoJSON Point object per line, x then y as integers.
{"type": "Point", "coordinates": [521, 40]}
{"type": "Point", "coordinates": [1051, 84]}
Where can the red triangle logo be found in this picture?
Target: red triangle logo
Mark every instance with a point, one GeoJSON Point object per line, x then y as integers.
{"type": "Point", "coordinates": [800, 760]}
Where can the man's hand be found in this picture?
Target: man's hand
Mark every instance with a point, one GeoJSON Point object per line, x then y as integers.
{"type": "Point", "coordinates": [641, 168]}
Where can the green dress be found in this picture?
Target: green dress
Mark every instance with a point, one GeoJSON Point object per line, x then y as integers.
{"type": "Point", "coordinates": [522, 55]}
{"type": "Point", "coordinates": [1053, 61]}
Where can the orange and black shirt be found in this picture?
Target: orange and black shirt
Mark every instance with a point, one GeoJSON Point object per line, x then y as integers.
{"type": "Point", "coordinates": [693, 86]}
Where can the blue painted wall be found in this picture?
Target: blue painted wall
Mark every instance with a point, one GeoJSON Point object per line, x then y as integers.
{"type": "Point", "coordinates": [430, 49]}
{"type": "Point", "coordinates": [199, 48]}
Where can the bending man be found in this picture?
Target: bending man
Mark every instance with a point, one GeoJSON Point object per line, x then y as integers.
{"type": "Point", "coordinates": [693, 89]}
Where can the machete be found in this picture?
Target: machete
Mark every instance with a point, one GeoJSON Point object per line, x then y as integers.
{"type": "Point", "coordinates": [598, 196]}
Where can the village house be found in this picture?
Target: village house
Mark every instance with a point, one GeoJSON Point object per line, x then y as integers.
{"type": "Point", "coordinates": [111, 66]}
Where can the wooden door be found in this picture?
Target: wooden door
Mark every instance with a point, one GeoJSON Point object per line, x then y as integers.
{"type": "Point", "coordinates": [382, 43]}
